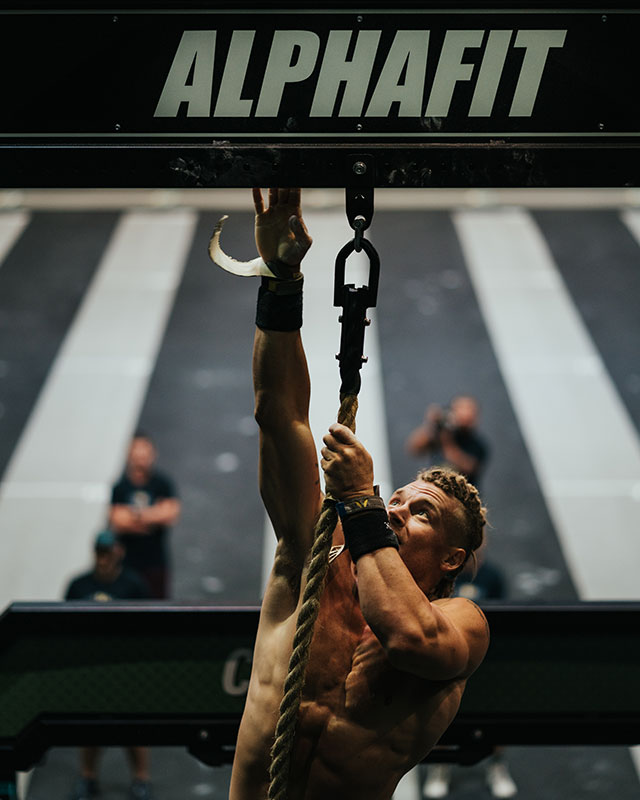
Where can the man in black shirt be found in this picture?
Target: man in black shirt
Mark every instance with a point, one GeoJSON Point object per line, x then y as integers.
{"type": "Point", "coordinates": [143, 507]}
{"type": "Point", "coordinates": [110, 580]}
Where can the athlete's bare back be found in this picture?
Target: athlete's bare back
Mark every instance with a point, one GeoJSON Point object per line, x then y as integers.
{"type": "Point", "coordinates": [387, 666]}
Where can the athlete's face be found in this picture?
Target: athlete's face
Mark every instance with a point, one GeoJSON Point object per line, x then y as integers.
{"type": "Point", "coordinates": [424, 519]}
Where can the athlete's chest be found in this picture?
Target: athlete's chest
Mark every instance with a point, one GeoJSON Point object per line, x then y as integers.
{"type": "Point", "coordinates": [371, 683]}
{"type": "Point", "coordinates": [349, 674]}
{"type": "Point", "coordinates": [350, 678]}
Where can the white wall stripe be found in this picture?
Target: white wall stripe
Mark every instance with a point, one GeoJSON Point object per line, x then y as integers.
{"type": "Point", "coordinates": [11, 226]}
{"type": "Point", "coordinates": [236, 199]}
{"type": "Point", "coordinates": [589, 472]}
{"type": "Point", "coordinates": [409, 787]}
{"type": "Point", "coordinates": [631, 218]}
{"type": "Point", "coordinates": [73, 444]}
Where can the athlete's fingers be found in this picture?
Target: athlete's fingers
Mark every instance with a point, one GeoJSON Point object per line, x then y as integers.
{"type": "Point", "coordinates": [301, 234]}
{"type": "Point", "coordinates": [297, 225]}
{"type": "Point", "coordinates": [294, 197]}
{"type": "Point", "coordinates": [327, 453]}
{"type": "Point", "coordinates": [273, 198]}
{"type": "Point", "coordinates": [258, 202]}
{"type": "Point", "coordinates": [332, 444]}
{"type": "Point", "coordinates": [284, 196]}
{"type": "Point", "coordinates": [342, 434]}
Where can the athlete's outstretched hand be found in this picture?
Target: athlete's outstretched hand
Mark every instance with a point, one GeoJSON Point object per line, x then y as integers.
{"type": "Point", "coordinates": [280, 230]}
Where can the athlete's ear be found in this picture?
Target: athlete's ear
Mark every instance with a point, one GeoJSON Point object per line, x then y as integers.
{"type": "Point", "coordinates": [454, 559]}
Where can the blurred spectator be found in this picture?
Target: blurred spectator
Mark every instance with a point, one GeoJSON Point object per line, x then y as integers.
{"type": "Point", "coordinates": [488, 583]}
{"type": "Point", "coordinates": [110, 580]}
{"type": "Point", "coordinates": [143, 506]}
{"type": "Point", "coordinates": [449, 435]}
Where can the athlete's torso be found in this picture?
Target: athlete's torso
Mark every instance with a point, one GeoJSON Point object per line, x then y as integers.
{"type": "Point", "coordinates": [362, 724]}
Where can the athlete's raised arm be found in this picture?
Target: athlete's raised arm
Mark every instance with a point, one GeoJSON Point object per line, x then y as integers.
{"type": "Point", "coordinates": [288, 469]}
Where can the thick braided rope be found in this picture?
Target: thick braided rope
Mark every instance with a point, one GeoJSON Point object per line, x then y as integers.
{"type": "Point", "coordinates": [323, 534]}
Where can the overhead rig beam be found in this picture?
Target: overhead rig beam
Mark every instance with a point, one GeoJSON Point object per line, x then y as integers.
{"type": "Point", "coordinates": [216, 95]}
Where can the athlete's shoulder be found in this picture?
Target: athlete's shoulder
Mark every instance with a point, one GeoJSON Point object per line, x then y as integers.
{"type": "Point", "coordinates": [471, 622]}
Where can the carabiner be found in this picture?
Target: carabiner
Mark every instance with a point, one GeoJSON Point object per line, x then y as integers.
{"type": "Point", "coordinates": [354, 302]}
{"type": "Point", "coordinates": [371, 289]}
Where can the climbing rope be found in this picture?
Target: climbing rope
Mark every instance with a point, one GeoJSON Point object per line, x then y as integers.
{"type": "Point", "coordinates": [322, 538]}
{"type": "Point", "coordinates": [354, 303]}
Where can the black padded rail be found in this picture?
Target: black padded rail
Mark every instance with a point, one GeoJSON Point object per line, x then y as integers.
{"type": "Point", "coordinates": [166, 674]}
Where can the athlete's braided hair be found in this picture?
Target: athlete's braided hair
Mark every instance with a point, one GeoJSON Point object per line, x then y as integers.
{"type": "Point", "coordinates": [475, 517]}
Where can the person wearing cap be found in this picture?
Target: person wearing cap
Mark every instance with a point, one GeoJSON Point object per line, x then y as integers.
{"type": "Point", "coordinates": [109, 579]}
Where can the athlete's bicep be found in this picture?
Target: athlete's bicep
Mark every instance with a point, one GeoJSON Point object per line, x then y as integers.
{"type": "Point", "coordinates": [449, 642]}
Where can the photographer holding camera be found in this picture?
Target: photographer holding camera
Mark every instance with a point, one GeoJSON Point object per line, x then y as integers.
{"type": "Point", "coordinates": [450, 435]}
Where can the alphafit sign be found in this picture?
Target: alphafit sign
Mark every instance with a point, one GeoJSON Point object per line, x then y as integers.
{"type": "Point", "coordinates": [257, 76]}
{"type": "Point", "coordinates": [356, 74]}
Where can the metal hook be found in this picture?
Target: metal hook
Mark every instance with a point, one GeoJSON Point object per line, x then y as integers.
{"type": "Point", "coordinates": [371, 289]}
{"type": "Point", "coordinates": [354, 302]}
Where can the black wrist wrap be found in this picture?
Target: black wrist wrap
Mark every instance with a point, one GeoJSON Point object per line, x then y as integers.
{"type": "Point", "coordinates": [366, 526]}
{"type": "Point", "coordinates": [280, 304]}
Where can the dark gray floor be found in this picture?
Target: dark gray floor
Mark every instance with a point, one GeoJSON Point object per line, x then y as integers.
{"type": "Point", "coordinates": [176, 776]}
{"type": "Point", "coordinates": [199, 408]}
{"type": "Point", "coordinates": [550, 773]}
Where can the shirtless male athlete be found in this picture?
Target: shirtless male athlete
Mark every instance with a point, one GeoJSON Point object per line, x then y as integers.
{"type": "Point", "coordinates": [391, 652]}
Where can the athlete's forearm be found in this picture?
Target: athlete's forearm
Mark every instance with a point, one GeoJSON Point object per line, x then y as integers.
{"type": "Point", "coordinates": [416, 635]}
{"type": "Point", "coordinates": [288, 469]}
{"type": "Point", "coordinates": [280, 375]}
{"type": "Point", "coordinates": [280, 379]}
{"type": "Point", "coordinates": [395, 608]}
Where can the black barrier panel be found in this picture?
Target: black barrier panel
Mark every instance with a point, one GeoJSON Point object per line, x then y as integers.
{"type": "Point", "coordinates": [250, 88]}
{"type": "Point", "coordinates": [76, 673]}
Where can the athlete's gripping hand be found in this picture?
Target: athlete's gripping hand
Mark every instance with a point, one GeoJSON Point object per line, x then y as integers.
{"type": "Point", "coordinates": [347, 465]}
{"type": "Point", "coordinates": [280, 230]}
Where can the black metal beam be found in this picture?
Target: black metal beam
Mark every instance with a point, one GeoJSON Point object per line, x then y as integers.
{"type": "Point", "coordinates": [164, 674]}
{"type": "Point", "coordinates": [171, 95]}
{"type": "Point", "coordinates": [432, 166]}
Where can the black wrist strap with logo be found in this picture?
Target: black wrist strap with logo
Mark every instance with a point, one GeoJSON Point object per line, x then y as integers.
{"type": "Point", "coordinates": [366, 525]}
